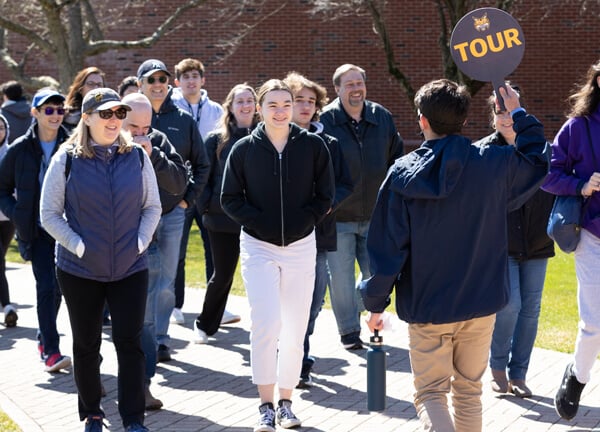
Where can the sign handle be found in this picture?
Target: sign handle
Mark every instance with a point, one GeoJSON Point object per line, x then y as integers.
{"type": "Point", "coordinates": [497, 85]}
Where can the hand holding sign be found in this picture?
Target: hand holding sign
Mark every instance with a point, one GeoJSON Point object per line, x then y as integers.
{"type": "Point", "coordinates": [487, 44]}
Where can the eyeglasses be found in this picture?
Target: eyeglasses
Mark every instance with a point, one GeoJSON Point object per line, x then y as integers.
{"type": "Point", "coordinates": [107, 114]}
{"type": "Point", "coordinates": [161, 79]}
{"type": "Point", "coordinates": [93, 84]}
{"type": "Point", "coordinates": [50, 110]}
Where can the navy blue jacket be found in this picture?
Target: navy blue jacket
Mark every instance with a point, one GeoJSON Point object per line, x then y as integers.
{"type": "Point", "coordinates": [183, 134]}
{"type": "Point", "coordinates": [439, 228]}
{"type": "Point", "coordinates": [278, 197]}
{"type": "Point", "coordinates": [19, 171]}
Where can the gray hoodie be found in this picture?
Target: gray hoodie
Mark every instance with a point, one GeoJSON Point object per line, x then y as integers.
{"type": "Point", "coordinates": [18, 115]}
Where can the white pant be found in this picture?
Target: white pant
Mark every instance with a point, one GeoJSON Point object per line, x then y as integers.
{"type": "Point", "coordinates": [587, 345]}
{"type": "Point", "coordinates": [279, 284]}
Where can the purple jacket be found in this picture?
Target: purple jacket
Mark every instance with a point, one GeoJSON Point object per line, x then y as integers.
{"type": "Point", "coordinates": [573, 164]}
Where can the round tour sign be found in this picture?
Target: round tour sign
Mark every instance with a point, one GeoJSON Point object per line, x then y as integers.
{"type": "Point", "coordinates": [487, 44]}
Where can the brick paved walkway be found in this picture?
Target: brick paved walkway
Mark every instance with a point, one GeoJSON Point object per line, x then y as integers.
{"type": "Point", "coordinates": [207, 387]}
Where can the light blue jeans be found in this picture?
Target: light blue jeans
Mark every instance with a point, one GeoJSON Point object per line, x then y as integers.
{"type": "Point", "coordinates": [517, 323]}
{"type": "Point", "coordinates": [168, 238]}
{"type": "Point", "coordinates": [345, 298]}
{"type": "Point", "coordinates": [149, 329]}
{"type": "Point", "coordinates": [318, 298]}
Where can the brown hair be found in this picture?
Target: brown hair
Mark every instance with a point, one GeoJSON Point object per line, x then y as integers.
{"type": "Point", "coordinates": [269, 86]}
{"type": "Point", "coordinates": [297, 82]}
{"type": "Point", "coordinates": [587, 94]}
{"type": "Point", "coordinates": [187, 65]}
{"type": "Point", "coordinates": [74, 97]}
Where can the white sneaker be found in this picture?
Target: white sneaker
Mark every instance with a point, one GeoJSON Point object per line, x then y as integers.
{"type": "Point", "coordinates": [199, 336]}
{"type": "Point", "coordinates": [177, 316]}
{"type": "Point", "coordinates": [230, 318]}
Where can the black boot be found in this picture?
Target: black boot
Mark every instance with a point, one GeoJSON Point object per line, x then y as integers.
{"type": "Point", "coordinates": [567, 397]}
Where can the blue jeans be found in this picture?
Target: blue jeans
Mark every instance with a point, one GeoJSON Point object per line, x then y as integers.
{"type": "Point", "coordinates": [168, 240]}
{"type": "Point", "coordinates": [321, 282]}
{"type": "Point", "coordinates": [345, 299]}
{"type": "Point", "coordinates": [148, 341]}
{"type": "Point", "coordinates": [517, 323]}
{"type": "Point", "coordinates": [47, 291]}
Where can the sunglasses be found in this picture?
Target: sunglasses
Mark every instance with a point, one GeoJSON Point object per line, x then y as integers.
{"type": "Point", "coordinates": [50, 110]}
{"type": "Point", "coordinates": [161, 79]}
{"type": "Point", "coordinates": [107, 114]}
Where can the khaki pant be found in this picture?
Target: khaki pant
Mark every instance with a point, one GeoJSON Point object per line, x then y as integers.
{"type": "Point", "coordinates": [450, 358]}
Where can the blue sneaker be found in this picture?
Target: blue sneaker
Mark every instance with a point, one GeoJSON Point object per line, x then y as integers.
{"type": "Point", "coordinates": [94, 424]}
{"type": "Point", "coordinates": [136, 427]}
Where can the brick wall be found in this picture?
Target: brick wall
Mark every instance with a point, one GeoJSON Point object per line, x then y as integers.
{"type": "Point", "coordinates": [560, 46]}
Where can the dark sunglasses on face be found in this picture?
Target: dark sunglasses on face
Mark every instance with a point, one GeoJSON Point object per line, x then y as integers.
{"type": "Point", "coordinates": [121, 113]}
{"type": "Point", "coordinates": [50, 110]}
{"type": "Point", "coordinates": [161, 79]}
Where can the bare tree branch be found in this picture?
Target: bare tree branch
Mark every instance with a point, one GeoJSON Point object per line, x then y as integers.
{"type": "Point", "coordinates": [96, 47]}
{"type": "Point", "coordinates": [8, 24]}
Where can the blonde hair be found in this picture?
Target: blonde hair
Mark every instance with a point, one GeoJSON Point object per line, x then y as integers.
{"type": "Point", "coordinates": [79, 143]}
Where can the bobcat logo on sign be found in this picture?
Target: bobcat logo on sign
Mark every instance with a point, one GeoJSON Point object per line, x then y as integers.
{"type": "Point", "coordinates": [481, 24]}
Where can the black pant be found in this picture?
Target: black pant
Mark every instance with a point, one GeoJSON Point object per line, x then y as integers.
{"type": "Point", "coordinates": [225, 249]}
{"type": "Point", "coordinates": [126, 299]}
{"type": "Point", "coordinates": [7, 231]}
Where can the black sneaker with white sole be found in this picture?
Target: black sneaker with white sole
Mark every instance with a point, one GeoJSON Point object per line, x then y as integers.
{"type": "Point", "coordinates": [351, 341]}
{"type": "Point", "coordinates": [566, 401]}
{"type": "Point", "coordinates": [285, 417]}
{"type": "Point", "coordinates": [266, 421]}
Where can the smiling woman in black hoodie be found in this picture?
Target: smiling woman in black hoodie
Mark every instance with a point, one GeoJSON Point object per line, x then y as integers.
{"type": "Point", "coordinates": [278, 183]}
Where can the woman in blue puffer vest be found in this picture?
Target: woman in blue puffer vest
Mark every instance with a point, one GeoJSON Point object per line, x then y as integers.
{"type": "Point", "coordinates": [102, 211]}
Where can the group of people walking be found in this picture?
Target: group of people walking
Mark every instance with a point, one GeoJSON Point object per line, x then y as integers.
{"type": "Point", "coordinates": [104, 186]}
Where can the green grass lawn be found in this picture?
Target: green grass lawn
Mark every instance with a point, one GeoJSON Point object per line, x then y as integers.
{"type": "Point", "coordinates": [6, 424]}
{"type": "Point", "coordinates": [558, 320]}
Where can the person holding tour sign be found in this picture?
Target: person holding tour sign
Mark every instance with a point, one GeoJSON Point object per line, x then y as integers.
{"type": "Point", "coordinates": [450, 300]}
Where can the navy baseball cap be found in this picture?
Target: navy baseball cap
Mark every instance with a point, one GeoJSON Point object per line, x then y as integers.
{"type": "Point", "coordinates": [100, 99]}
{"type": "Point", "coordinates": [151, 66]}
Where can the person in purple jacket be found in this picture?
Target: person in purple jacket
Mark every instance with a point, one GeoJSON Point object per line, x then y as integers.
{"type": "Point", "coordinates": [576, 171]}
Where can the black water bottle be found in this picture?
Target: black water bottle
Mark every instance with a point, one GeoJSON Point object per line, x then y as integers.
{"type": "Point", "coordinates": [376, 368]}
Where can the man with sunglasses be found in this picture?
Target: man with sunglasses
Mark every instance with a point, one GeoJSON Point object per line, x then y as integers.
{"type": "Point", "coordinates": [22, 171]}
{"type": "Point", "coordinates": [182, 132]}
